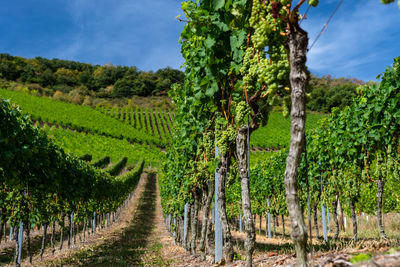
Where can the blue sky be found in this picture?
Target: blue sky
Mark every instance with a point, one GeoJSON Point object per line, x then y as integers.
{"type": "Point", "coordinates": [361, 40]}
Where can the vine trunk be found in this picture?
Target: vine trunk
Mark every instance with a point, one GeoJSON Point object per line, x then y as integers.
{"type": "Point", "coordinates": [242, 161]}
{"type": "Point", "coordinates": [297, 45]}
{"type": "Point", "coordinates": [226, 231]}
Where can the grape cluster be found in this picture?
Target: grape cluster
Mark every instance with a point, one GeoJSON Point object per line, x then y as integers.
{"type": "Point", "coordinates": [265, 62]}
{"type": "Point", "coordinates": [242, 110]}
{"type": "Point", "coordinates": [208, 143]}
{"type": "Point", "coordinates": [225, 135]}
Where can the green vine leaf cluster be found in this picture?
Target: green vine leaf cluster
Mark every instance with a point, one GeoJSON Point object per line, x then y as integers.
{"type": "Point", "coordinates": [40, 181]}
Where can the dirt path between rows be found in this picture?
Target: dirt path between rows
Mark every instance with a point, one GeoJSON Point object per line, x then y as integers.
{"type": "Point", "coordinates": [138, 237]}
{"type": "Point", "coordinates": [121, 244]}
{"type": "Point", "coordinates": [127, 243]}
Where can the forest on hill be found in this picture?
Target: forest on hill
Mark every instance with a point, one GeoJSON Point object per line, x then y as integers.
{"type": "Point", "coordinates": [66, 75]}
{"type": "Point", "coordinates": [83, 83]}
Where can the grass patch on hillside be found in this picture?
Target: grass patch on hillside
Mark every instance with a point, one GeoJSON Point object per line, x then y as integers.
{"type": "Point", "coordinates": [276, 134]}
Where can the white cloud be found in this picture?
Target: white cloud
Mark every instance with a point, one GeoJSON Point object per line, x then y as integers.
{"type": "Point", "coordinates": [124, 32]}
{"type": "Point", "coordinates": [356, 41]}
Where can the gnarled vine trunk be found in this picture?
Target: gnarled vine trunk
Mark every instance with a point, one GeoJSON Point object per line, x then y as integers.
{"type": "Point", "coordinates": [2, 224]}
{"type": "Point", "coordinates": [353, 219]}
{"type": "Point", "coordinates": [335, 218]}
{"type": "Point", "coordinates": [186, 241]}
{"type": "Point", "coordinates": [208, 192]}
{"type": "Point", "coordinates": [16, 252]}
{"type": "Point", "coordinates": [53, 236]}
{"type": "Point", "coordinates": [226, 231]}
{"type": "Point", "coordinates": [380, 207]}
{"type": "Point", "coordinates": [297, 45]}
{"type": "Point", "coordinates": [28, 239]}
{"type": "Point", "coordinates": [209, 237]}
{"type": "Point", "coordinates": [341, 216]}
{"type": "Point", "coordinates": [43, 240]}
{"type": "Point", "coordinates": [315, 214]}
{"type": "Point", "coordinates": [193, 223]}
{"type": "Point", "coordinates": [242, 161]}
{"type": "Point", "coordinates": [70, 229]}
{"type": "Point", "coordinates": [61, 224]}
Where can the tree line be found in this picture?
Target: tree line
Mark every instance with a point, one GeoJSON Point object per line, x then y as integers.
{"type": "Point", "coordinates": [108, 80]}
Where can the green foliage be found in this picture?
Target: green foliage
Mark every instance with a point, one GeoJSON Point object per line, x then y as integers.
{"type": "Point", "coordinates": [102, 162]}
{"type": "Point", "coordinates": [355, 147]}
{"type": "Point", "coordinates": [267, 182]}
{"type": "Point", "coordinates": [127, 87]}
{"type": "Point", "coordinates": [360, 258]}
{"type": "Point", "coordinates": [276, 134]}
{"type": "Point", "coordinates": [40, 181]}
{"type": "Point", "coordinates": [258, 157]}
{"type": "Point", "coordinates": [86, 157]}
{"type": "Point", "coordinates": [327, 93]}
{"type": "Point", "coordinates": [117, 167]}
{"type": "Point", "coordinates": [212, 46]}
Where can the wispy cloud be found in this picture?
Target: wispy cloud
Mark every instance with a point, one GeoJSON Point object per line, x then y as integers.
{"type": "Point", "coordinates": [141, 33]}
{"type": "Point", "coordinates": [359, 41]}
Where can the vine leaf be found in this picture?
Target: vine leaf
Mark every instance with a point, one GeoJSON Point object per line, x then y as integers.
{"type": "Point", "coordinates": [218, 4]}
{"type": "Point", "coordinates": [210, 42]}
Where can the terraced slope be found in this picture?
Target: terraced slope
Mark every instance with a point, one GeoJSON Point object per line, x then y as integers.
{"type": "Point", "coordinates": [154, 122]}
{"type": "Point", "coordinates": [81, 118]}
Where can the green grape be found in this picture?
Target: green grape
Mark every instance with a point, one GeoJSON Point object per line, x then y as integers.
{"type": "Point", "coordinates": [314, 3]}
{"type": "Point", "coordinates": [266, 68]}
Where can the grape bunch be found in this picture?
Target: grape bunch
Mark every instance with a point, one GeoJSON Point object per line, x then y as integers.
{"type": "Point", "coordinates": [265, 65]}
